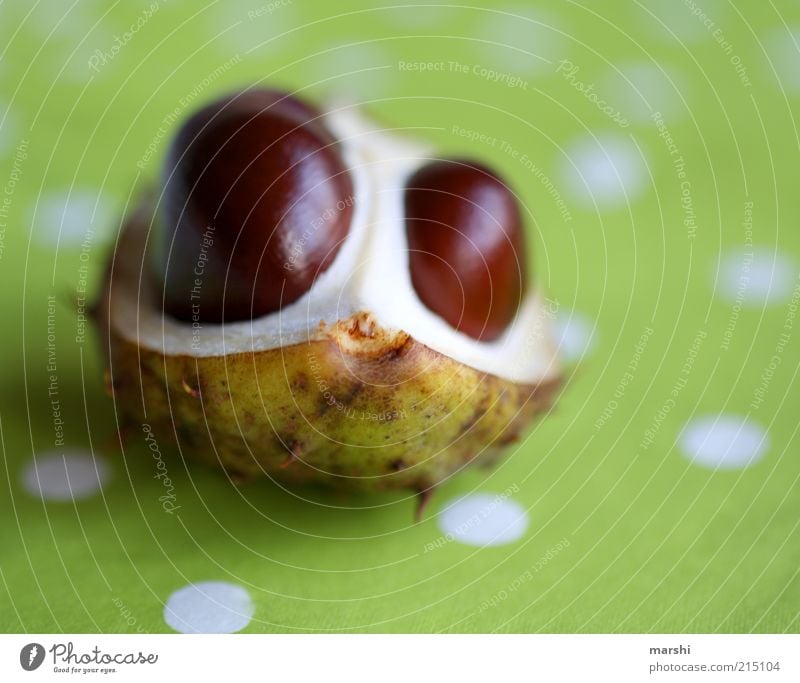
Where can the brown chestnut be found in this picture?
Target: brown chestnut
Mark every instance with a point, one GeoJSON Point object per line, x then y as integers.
{"type": "Point", "coordinates": [257, 201]}
{"type": "Point", "coordinates": [465, 239]}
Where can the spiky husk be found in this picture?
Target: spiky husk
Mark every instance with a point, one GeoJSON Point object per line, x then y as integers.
{"type": "Point", "coordinates": [356, 408]}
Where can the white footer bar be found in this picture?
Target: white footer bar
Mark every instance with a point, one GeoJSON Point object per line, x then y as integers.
{"type": "Point", "coordinates": [402, 658]}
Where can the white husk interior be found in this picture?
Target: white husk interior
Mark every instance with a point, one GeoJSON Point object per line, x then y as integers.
{"type": "Point", "coordinates": [370, 273]}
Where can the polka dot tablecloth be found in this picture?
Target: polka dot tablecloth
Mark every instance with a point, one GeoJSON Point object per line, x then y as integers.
{"type": "Point", "coordinates": [655, 149]}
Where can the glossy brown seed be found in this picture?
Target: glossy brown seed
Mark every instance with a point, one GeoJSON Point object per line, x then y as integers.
{"type": "Point", "coordinates": [465, 237]}
{"type": "Point", "coordinates": [257, 201]}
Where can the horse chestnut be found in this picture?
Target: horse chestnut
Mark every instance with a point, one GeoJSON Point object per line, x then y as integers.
{"type": "Point", "coordinates": [257, 202]}
{"type": "Point", "coordinates": [381, 378]}
{"type": "Point", "coordinates": [465, 238]}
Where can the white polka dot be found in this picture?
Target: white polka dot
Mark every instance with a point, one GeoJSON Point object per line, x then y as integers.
{"type": "Point", "coordinates": [723, 442]}
{"type": "Point", "coordinates": [675, 21]}
{"type": "Point", "coordinates": [757, 276]}
{"type": "Point", "coordinates": [364, 70]}
{"type": "Point", "coordinates": [484, 519]}
{"type": "Point", "coordinates": [643, 88]}
{"type": "Point", "coordinates": [60, 477]}
{"type": "Point", "coordinates": [609, 171]}
{"type": "Point", "coordinates": [209, 607]}
{"type": "Point", "coordinates": [575, 335]}
{"type": "Point", "coordinates": [78, 72]}
{"type": "Point", "coordinates": [61, 23]}
{"type": "Point", "coordinates": [73, 215]}
{"type": "Point", "coordinates": [520, 40]}
{"type": "Point", "coordinates": [236, 32]}
{"type": "Point", "coordinates": [415, 15]}
{"type": "Point", "coordinates": [783, 48]}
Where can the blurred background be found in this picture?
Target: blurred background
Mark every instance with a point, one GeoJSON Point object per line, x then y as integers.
{"type": "Point", "coordinates": [656, 147]}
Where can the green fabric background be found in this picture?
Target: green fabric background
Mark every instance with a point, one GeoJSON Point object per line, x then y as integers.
{"type": "Point", "coordinates": [656, 543]}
